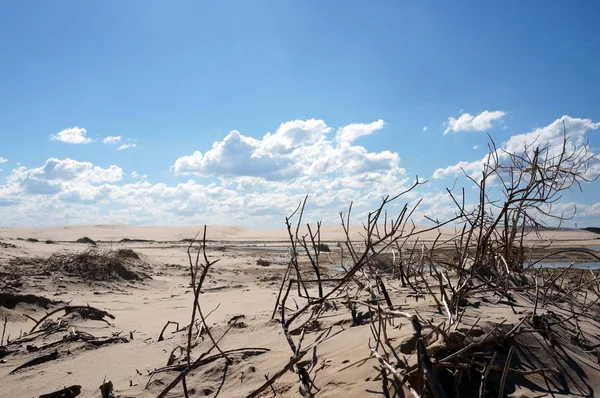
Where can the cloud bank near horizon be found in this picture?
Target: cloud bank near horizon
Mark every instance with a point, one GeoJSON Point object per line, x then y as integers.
{"type": "Point", "coordinates": [255, 181]}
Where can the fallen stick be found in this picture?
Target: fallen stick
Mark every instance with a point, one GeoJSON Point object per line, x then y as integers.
{"type": "Point", "coordinates": [98, 343]}
{"type": "Point", "coordinates": [202, 359]}
{"type": "Point", "coordinates": [519, 372]}
{"type": "Point", "coordinates": [505, 372]}
{"type": "Point", "coordinates": [37, 361]}
{"type": "Point", "coordinates": [160, 336]}
{"type": "Point", "coordinates": [67, 392]}
{"type": "Point", "coordinates": [68, 339]}
{"type": "Point", "coordinates": [294, 360]}
{"type": "Point", "coordinates": [206, 360]}
{"type": "Point", "coordinates": [69, 309]}
{"type": "Point", "coordinates": [3, 331]}
{"type": "Point", "coordinates": [482, 390]}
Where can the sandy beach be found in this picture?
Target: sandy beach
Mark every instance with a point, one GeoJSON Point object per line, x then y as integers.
{"type": "Point", "coordinates": [132, 350]}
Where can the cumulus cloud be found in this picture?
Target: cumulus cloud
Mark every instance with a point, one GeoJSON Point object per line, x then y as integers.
{"type": "Point", "coordinates": [550, 136]}
{"type": "Point", "coordinates": [468, 122]}
{"type": "Point", "coordinates": [236, 155]}
{"type": "Point", "coordinates": [459, 168]}
{"type": "Point", "coordinates": [73, 135]}
{"type": "Point", "coordinates": [3, 160]}
{"type": "Point", "coordinates": [351, 132]}
{"type": "Point", "coordinates": [253, 181]}
{"type": "Point", "coordinates": [298, 148]}
{"type": "Point", "coordinates": [259, 182]}
{"type": "Point", "coordinates": [111, 139]}
{"type": "Point", "coordinates": [57, 175]}
{"type": "Point", "coordinates": [292, 135]}
{"type": "Point", "coordinates": [425, 128]}
{"type": "Point", "coordinates": [126, 146]}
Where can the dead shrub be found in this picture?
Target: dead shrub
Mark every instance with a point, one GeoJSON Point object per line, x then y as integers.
{"type": "Point", "coordinates": [127, 253]}
{"type": "Point", "coordinates": [263, 263]}
{"type": "Point", "coordinates": [98, 264]}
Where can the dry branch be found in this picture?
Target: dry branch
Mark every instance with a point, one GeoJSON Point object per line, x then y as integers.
{"type": "Point", "coordinates": [67, 392]}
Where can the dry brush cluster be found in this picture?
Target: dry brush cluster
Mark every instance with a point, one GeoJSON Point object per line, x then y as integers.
{"type": "Point", "coordinates": [452, 352]}
{"type": "Point", "coordinates": [454, 349]}
{"type": "Point", "coordinates": [98, 263]}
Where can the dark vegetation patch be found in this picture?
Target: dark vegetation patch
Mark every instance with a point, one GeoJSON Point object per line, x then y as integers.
{"type": "Point", "coordinates": [99, 264]}
{"type": "Point", "coordinates": [263, 263]}
{"type": "Point", "coordinates": [10, 300]}
{"type": "Point", "coordinates": [87, 240]}
{"type": "Point", "coordinates": [135, 240]}
{"type": "Point", "coordinates": [127, 253]}
{"type": "Point", "coordinates": [323, 247]}
{"type": "Point", "coordinates": [32, 240]}
{"type": "Point", "coordinates": [5, 245]}
{"type": "Point", "coordinates": [50, 242]}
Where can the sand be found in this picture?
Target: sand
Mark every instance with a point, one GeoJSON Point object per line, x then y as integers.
{"type": "Point", "coordinates": [240, 297]}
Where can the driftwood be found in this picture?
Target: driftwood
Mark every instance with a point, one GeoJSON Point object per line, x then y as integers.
{"type": "Point", "coordinates": [212, 358]}
{"type": "Point", "coordinates": [271, 380]}
{"type": "Point", "coordinates": [85, 311]}
{"type": "Point", "coordinates": [3, 331]}
{"type": "Point", "coordinates": [37, 361]}
{"type": "Point", "coordinates": [67, 392]}
{"type": "Point", "coordinates": [160, 336]}
{"type": "Point", "coordinates": [98, 343]}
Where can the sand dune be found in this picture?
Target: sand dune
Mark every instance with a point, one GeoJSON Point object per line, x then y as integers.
{"type": "Point", "coordinates": [233, 233]}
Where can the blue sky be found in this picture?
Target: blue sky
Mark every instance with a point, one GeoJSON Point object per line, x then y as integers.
{"type": "Point", "coordinates": [171, 79]}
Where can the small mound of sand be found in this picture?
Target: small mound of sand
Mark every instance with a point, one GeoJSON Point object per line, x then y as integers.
{"type": "Point", "coordinates": [99, 264]}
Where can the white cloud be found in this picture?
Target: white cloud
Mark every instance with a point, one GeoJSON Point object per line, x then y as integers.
{"type": "Point", "coordinates": [255, 182]}
{"type": "Point", "coordinates": [298, 148]}
{"type": "Point", "coordinates": [475, 147]}
{"type": "Point", "coordinates": [57, 176]}
{"type": "Point", "coordinates": [126, 146]}
{"type": "Point", "coordinates": [73, 135]}
{"type": "Point", "coordinates": [292, 135]}
{"type": "Point", "coordinates": [236, 155]}
{"type": "Point", "coordinates": [351, 132]}
{"type": "Point", "coordinates": [112, 139]}
{"type": "Point", "coordinates": [259, 182]}
{"type": "Point", "coordinates": [469, 168]}
{"type": "Point", "coordinates": [553, 134]}
{"type": "Point", "coordinates": [3, 160]}
{"type": "Point", "coordinates": [468, 122]}
{"type": "Point", "coordinates": [425, 128]}
{"type": "Point", "coordinates": [550, 136]}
